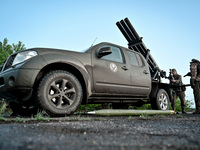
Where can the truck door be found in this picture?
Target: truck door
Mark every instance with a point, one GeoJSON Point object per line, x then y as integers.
{"type": "Point", "coordinates": [110, 74]}
{"type": "Point", "coordinates": [140, 74]}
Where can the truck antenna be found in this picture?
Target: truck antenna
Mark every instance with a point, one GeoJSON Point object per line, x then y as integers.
{"type": "Point", "coordinates": [94, 41]}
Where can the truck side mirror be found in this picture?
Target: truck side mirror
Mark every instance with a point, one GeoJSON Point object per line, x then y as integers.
{"type": "Point", "coordinates": [104, 51]}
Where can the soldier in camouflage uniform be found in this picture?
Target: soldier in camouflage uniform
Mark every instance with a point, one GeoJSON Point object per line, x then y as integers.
{"type": "Point", "coordinates": [195, 82]}
{"type": "Point", "coordinates": [177, 91]}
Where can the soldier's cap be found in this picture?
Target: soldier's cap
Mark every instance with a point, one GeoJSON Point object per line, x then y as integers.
{"type": "Point", "coordinates": [195, 60]}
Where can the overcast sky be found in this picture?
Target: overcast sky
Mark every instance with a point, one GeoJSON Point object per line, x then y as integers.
{"type": "Point", "coordinates": [170, 28]}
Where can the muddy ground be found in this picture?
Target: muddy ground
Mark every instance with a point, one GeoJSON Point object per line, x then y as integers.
{"type": "Point", "coordinates": [83, 132]}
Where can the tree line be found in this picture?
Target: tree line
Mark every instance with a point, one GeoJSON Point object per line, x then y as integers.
{"type": "Point", "coordinates": [7, 49]}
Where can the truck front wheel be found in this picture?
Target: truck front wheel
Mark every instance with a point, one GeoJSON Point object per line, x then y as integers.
{"type": "Point", "coordinates": [161, 102]}
{"type": "Point", "coordinates": [59, 93]}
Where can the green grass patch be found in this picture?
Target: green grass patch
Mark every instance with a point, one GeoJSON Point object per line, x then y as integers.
{"type": "Point", "coordinates": [40, 117]}
{"type": "Point", "coordinates": [3, 106]}
{"type": "Point", "coordinates": [2, 118]}
{"type": "Point", "coordinates": [144, 116]}
{"type": "Point", "coordinates": [18, 119]}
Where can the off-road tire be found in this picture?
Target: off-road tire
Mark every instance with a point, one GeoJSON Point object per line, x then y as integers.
{"type": "Point", "coordinates": [59, 93]}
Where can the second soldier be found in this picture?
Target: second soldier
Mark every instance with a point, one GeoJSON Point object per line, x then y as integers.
{"type": "Point", "coordinates": [177, 90]}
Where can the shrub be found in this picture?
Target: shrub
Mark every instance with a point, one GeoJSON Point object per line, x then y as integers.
{"type": "Point", "coordinates": [3, 106]}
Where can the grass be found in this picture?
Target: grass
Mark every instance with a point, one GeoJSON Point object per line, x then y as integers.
{"type": "Point", "coordinates": [40, 117]}
{"type": "Point", "coordinates": [89, 107]}
{"type": "Point", "coordinates": [5, 110]}
{"type": "Point", "coordinates": [18, 119]}
{"type": "Point", "coordinates": [144, 116]}
{"type": "Point", "coordinates": [3, 106]}
{"type": "Point", "coordinates": [3, 118]}
{"type": "Point", "coordinates": [180, 116]}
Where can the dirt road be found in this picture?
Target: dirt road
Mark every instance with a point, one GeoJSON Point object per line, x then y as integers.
{"type": "Point", "coordinates": [108, 133]}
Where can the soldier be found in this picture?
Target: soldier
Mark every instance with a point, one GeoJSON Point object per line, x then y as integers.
{"type": "Point", "coordinates": [177, 91]}
{"type": "Point", "coordinates": [195, 82]}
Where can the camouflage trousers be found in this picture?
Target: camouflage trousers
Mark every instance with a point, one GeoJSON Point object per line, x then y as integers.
{"type": "Point", "coordinates": [196, 91]}
{"type": "Point", "coordinates": [181, 96]}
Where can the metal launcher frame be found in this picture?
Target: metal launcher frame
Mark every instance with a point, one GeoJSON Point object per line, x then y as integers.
{"type": "Point", "coordinates": [135, 43]}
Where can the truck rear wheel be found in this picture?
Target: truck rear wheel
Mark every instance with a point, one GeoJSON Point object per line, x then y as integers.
{"type": "Point", "coordinates": [161, 102]}
{"type": "Point", "coordinates": [59, 93]}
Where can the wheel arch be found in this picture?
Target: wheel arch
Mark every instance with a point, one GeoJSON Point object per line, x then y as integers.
{"type": "Point", "coordinates": [83, 77]}
{"type": "Point", "coordinates": [157, 86]}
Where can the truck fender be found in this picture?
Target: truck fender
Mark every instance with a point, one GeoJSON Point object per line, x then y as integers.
{"type": "Point", "coordinates": [51, 59]}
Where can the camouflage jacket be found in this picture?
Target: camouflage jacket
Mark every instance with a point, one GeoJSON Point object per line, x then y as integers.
{"type": "Point", "coordinates": [178, 82]}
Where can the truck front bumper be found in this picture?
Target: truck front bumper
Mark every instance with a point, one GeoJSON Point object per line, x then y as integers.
{"type": "Point", "coordinates": [17, 83]}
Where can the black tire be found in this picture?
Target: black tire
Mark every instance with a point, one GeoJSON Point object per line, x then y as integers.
{"type": "Point", "coordinates": [161, 102]}
{"type": "Point", "coordinates": [59, 93]}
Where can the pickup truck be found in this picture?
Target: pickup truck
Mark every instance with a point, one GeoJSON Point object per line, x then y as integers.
{"type": "Point", "coordinates": [59, 81]}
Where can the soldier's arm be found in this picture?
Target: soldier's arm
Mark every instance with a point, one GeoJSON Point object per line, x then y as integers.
{"type": "Point", "coordinates": [179, 79]}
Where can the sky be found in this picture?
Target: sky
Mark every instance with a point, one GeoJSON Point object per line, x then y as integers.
{"type": "Point", "coordinates": [170, 28]}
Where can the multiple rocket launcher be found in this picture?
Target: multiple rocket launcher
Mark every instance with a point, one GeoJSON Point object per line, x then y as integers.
{"type": "Point", "coordinates": [135, 43]}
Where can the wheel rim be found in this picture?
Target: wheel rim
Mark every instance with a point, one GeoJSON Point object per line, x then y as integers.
{"type": "Point", "coordinates": [163, 101]}
{"type": "Point", "coordinates": [62, 93]}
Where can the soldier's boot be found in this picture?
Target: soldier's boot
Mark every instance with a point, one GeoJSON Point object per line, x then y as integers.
{"type": "Point", "coordinates": [197, 111]}
{"type": "Point", "coordinates": [173, 108]}
{"type": "Point", "coordinates": [183, 111]}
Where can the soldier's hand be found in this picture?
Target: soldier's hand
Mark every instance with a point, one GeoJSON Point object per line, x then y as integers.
{"type": "Point", "coordinates": [173, 80]}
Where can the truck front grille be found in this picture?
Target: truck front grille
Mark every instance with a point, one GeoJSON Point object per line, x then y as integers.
{"type": "Point", "coordinates": [9, 62]}
{"type": "Point", "coordinates": [1, 81]}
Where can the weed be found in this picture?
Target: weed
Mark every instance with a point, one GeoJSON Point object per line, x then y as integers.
{"type": "Point", "coordinates": [179, 116]}
{"type": "Point", "coordinates": [3, 106]}
{"type": "Point", "coordinates": [130, 117]}
{"type": "Point", "coordinates": [2, 118]}
{"type": "Point", "coordinates": [18, 119]}
{"type": "Point", "coordinates": [144, 116]}
{"type": "Point", "coordinates": [40, 117]}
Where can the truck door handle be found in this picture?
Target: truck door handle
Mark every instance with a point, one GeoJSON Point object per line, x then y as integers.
{"type": "Point", "coordinates": [124, 68]}
{"type": "Point", "coordinates": [145, 72]}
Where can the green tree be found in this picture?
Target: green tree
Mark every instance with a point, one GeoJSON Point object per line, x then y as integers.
{"type": "Point", "coordinates": [7, 49]}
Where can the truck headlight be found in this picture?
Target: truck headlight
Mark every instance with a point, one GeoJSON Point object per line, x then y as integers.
{"type": "Point", "coordinates": [21, 57]}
